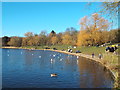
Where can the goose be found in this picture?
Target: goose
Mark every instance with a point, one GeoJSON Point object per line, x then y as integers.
{"type": "Point", "coordinates": [53, 75]}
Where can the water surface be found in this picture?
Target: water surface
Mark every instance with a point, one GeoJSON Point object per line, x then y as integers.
{"type": "Point", "coordinates": [32, 69]}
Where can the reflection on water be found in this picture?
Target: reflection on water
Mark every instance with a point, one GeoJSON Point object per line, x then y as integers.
{"type": "Point", "coordinates": [32, 68]}
{"type": "Point", "coordinates": [95, 72]}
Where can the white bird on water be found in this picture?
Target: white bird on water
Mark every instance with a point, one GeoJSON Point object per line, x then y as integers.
{"type": "Point", "coordinates": [61, 59]}
{"type": "Point", "coordinates": [77, 56]}
{"type": "Point", "coordinates": [39, 56]}
{"type": "Point", "coordinates": [54, 55]}
{"type": "Point", "coordinates": [8, 54]}
{"type": "Point", "coordinates": [32, 54]}
{"type": "Point", "coordinates": [51, 60]}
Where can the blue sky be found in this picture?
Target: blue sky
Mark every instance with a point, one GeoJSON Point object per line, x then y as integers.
{"type": "Point", "coordinates": [21, 17]}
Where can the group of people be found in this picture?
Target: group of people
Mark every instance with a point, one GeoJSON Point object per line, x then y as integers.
{"type": "Point", "coordinates": [70, 50]}
{"type": "Point", "coordinates": [100, 55]}
{"type": "Point", "coordinates": [108, 49]}
{"type": "Point", "coordinates": [111, 49]}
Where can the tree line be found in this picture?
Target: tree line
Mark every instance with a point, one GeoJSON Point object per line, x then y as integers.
{"type": "Point", "coordinates": [94, 30]}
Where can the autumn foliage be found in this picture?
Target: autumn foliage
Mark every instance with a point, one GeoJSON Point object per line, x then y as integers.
{"type": "Point", "coordinates": [94, 30]}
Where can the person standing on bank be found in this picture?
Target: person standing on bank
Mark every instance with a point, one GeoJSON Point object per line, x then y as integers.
{"type": "Point", "coordinates": [93, 55]}
{"type": "Point", "coordinates": [100, 56]}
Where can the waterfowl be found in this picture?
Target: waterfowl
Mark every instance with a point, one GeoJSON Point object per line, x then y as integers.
{"type": "Point", "coordinates": [54, 55]}
{"type": "Point", "coordinates": [60, 59]}
{"type": "Point", "coordinates": [39, 56]}
{"type": "Point", "coordinates": [51, 60]}
{"type": "Point", "coordinates": [77, 56]}
{"type": "Point", "coordinates": [53, 75]}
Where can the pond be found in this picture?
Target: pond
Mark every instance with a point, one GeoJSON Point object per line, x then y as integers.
{"type": "Point", "coordinates": [33, 68]}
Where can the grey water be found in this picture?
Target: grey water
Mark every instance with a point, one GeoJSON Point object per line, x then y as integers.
{"type": "Point", "coordinates": [32, 69]}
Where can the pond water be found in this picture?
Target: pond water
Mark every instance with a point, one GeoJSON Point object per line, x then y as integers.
{"type": "Point", "coordinates": [32, 69]}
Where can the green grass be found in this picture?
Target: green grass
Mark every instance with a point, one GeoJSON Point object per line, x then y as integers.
{"type": "Point", "coordinates": [84, 50]}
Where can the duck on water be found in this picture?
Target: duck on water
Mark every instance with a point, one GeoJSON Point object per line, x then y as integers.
{"type": "Point", "coordinates": [53, 75]}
